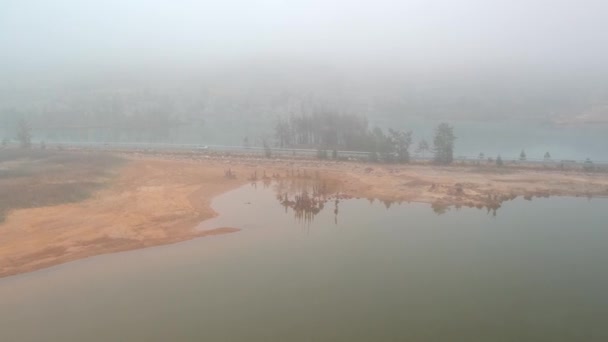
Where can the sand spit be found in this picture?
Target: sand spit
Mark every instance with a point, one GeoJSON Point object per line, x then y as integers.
{"type": "Point", "coordinates": [157, 200]}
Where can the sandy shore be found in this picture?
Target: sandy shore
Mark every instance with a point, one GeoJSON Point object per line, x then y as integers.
{"type": "Point", "coordinates": [159, 200]}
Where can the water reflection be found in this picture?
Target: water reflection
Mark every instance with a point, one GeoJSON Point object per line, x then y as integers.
{"type": "Point", "coordinates": [306, 194]}
{"type": "Point", "coordinates": [485, 277]}
{"type": "Point", "coordinates": [303, 192]}
{"type": "Point", "coordinates": [491, 202]}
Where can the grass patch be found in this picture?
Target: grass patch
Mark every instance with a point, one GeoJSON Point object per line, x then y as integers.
{"type": "Point", "coordinates": [36, 178]}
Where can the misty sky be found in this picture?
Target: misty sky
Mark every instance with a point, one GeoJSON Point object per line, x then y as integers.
{"type": "Point", "coordinates": [441, 34]}
{"type": "Point", "coordinates": [393, 61]}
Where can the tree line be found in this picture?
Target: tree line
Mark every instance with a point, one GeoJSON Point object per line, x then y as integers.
{"type": "Point", "coordinates": [332, 131]}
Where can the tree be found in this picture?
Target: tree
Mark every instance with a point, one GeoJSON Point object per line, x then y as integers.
{"type": "Point", "coordinates": [325, 128]}
{"type": "Point", "coordinates": [24, 134]}
{"type": "Point", "coordinates": [547, 156]}
{"type": "Point", "coordinates": [400, 143]}
{"type": "Point", "coordinates": [499, 161]}
{"type": "Point", "coordinates": [381, 145]}
{"type": "Point", "coordinates": [444, 144]}
{"type": "Point", "coordinates": [423, 147]}
{"type": "Point", "coordinates": [522, 155]}
{"type": "Point", "coordinates": [246, 142]}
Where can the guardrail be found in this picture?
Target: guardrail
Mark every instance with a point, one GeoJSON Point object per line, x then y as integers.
{"type": "Point", "coordinates": [282, 151]}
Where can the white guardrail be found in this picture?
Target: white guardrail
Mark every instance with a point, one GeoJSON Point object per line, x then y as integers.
{"type": "Point", "coordinates": [275, 151]}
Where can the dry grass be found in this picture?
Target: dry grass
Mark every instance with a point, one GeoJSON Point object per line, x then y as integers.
{"type": "Point", "coordinates": [37, 178]}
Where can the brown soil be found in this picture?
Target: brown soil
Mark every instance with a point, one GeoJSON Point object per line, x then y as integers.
{"type": "Point", "coordinates": [159, 200]}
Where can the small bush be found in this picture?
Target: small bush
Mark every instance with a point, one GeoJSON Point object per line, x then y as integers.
{"type": "Point", "coordinates": [588, 165]}
{"type": "Point", "coordinates": [499, 161]}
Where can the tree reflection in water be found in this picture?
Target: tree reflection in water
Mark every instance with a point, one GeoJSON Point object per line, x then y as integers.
{"type": "Point", "coordinates": [307, 193]}
{"type": "Point", "coordinates": [307, 196]}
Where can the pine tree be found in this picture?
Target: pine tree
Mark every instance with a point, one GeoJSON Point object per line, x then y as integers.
{"type": "Point", "coordinates": [444, 144]}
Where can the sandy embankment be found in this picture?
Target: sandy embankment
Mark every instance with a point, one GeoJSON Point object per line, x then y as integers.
{"type": "Point", "coordinates": [160, 201]}
{"type": "Point", "coordinates": [150, 203]}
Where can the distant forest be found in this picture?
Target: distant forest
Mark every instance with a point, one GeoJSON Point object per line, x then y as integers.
{"type": "Point", "coordinates": [224, 106]}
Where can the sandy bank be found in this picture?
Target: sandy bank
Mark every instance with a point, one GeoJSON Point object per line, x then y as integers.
{"type": "Point", "coordinates": [158, 201]}
{"type": "Point", "coordinates": [150, 203]}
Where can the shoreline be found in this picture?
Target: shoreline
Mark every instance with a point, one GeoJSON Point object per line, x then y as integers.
{"type": "Point", "coordinates": [160, 200]}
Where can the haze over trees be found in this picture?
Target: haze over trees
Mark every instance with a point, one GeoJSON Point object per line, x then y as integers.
{"type": "Point", "coordinates": [326, 130]}
{"type": "Point", "coordinates": [158, 80]}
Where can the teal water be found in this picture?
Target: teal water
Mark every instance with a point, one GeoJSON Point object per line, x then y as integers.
{"type": "Point", "coordinates": [504, 137]}
{"type": "Point", "coordinates": [368, 271]}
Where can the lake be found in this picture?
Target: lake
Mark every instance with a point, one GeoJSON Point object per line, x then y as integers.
{"type": "Point", "coordinates": [310, 269]}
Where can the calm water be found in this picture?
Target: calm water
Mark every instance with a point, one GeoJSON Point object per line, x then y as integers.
{"type": "Point", "coordinates": [505, 137]}
{"type": "Point", "coordinates": [350, 271]}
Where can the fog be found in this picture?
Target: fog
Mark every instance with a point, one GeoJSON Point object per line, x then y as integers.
{"type": "Point", "coordinates": [407, 63]}
{"type": "Point", "coordinates": [451, 36]}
